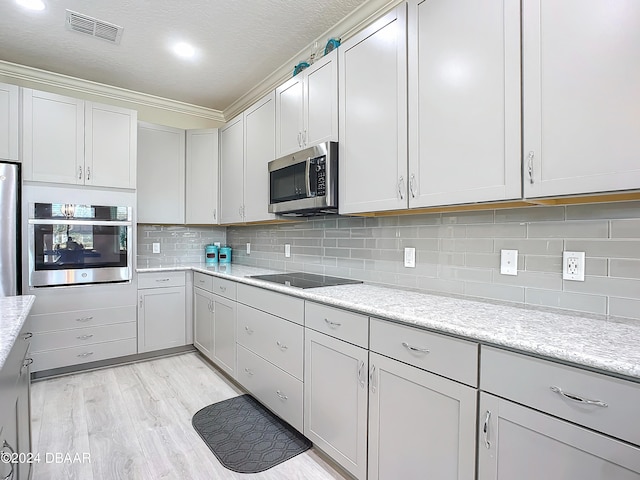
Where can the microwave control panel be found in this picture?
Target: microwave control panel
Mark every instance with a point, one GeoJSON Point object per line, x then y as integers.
{"type": "Point", "coordinates": [321, 176]}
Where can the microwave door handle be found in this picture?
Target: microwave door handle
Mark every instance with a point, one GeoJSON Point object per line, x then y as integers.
{"type": "Point", "coordinates": [307, 174]}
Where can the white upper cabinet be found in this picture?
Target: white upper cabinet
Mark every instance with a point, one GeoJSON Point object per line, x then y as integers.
{"type": "Point", "coordinates": [161, 166]}
{"type": "Point", "coordinates": [67, 140]}
{"type": "Point", "coordinates": [464, 101]}
{"type": "Point", "coordinates": [231, 170]}
{"type": "Point", "coordinates": [202, 177]}
{"type": "Point", "coordinates": [52, 137]}
{"type": "Point", "coordinates": [9, 95]}
{"type": "Point", "coordinates": [373, 117]}
{"type": "Point", "coordinates": [259, 150]}
{"type": "Point", "coordinates": [110, 146]}
{"type": "Point", "coordinates": [581, 72]}
{"type": "Point", "coordinates": [307, 107]}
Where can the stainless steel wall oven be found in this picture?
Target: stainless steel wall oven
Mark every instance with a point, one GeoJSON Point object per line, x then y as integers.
{"type": "Point", "coordinates": [73, 244]}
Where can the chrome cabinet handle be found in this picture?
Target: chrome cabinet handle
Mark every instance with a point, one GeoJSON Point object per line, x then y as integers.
{"type": "Point", "coordinates": [222, 289]}
{"type": "Point", "coordinates": [332, 324]}
{"type": "Point", "coordinates": [372, 383]}
{"type": "Point", "coordinates": [27, 336]}
{"type": "Point", "coordinates": [5, 444]}
{"type": "Point", "coordinates": [84, 319]}
{"type": "Point", "coordinates": [412, 181]}
{"type": "Point", "coordinates": [80, 172]}
{"type": "Point", "coordinates": [361, 380]}
{"type": "Point", "coordinates": [282, 346]}
{"type": "Point", "coordinates": [577, 398]}
{"type": "Point", "coordinates": [415, 349]}
{"type": "Point", "coordinates": [161, 280]}
{"type": "Point", "coordinates": [85, 354]}
{"type": "Point", "coordinates": [27, 362]}
{"type": "Point", "coordinates": [249, 331]}
{"type": "Point", "coordinates": [84, 337]}
{"type": "Point", "coordinates": [485, 430]}
{"type": "Point", "coordinates": [530, 166]}
{"type": "Point", "coordinates": [248, 372]}
{"type": "Point", "coordinates": [281, 395]}
{"type": "Point", "coordinates": [299, 139]}
{"type": "Point", "coordinates": [141, 301]}
{"type": "Point", "coordinates": [201, 281]}
{"type": "Point", "coordinates": [88, 173]}
{"type": "Point", "coordinates": [214, 213]}
{"type": "Point", "coordinates": [401, 187]}
{"type": "Point", "coordinates": [210, 305]}
{"type": "Point", "coordinates": [304, 137]}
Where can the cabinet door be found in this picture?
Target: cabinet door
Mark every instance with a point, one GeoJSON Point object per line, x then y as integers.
{"type": "Point", "coordinates": [110, 146]}
{"type": "Point", "coordinates": [581, 72]}
{"type": "Point", "coordinates": [9, 122]}
{"type": "Point", "coordinates": [335, 400]}
{"type": "Point", "coordinates": [518, 442]}
{"type": "Point", "coordinates": [202, 177]}
{"type": "Point", "coordinates": [160, 174]}
{"type": "Point", "coordinates": [259, 150]}
{"type": "Point", "coordinates": [464, 101]}
{"type": "Point", "coordinates": [161, 318]}
{"type": "Point", "coordinates": [224, 334]}
{"type": "Point", "coordinates": [421, 425]}
{"type": "Point", "coordinates": [203, 322]}
{"type": "Point", "coordinates": [289, 114]}
{"type": "Point", "coordinates": [232, 171]}
{"type": "Point", "coordinates": [52, 137]}
{"type": "Point", "coordinates": [321, 101]}
{"type": "Point", "coordinates": [23, 420]}
{"type": "Point", "coordinates": [373, 117]}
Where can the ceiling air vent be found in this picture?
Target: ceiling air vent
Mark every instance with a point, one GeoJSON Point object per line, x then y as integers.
{"type": "Point", "coordinates": [94, 27]}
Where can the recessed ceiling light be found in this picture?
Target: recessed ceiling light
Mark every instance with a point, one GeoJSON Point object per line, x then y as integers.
{"type": "Point", "coordinates": [184, 50]}
{"type": "Point", "coordinates": [31, 4]}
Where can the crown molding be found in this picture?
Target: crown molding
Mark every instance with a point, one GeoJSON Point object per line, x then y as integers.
{"type": "Point", "coordinates": [35, 77]}
{"type": "Point", "coordinates": [353, 23]}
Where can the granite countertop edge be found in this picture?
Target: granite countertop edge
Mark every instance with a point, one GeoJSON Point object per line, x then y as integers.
{"type": "Point", "coordinates": [594, 342]}
{"type": "Point", "coordinates": [13, 314]}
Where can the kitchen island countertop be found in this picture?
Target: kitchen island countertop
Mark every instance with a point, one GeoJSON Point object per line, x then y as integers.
{"type": "Point", "coordinates": [13, 314]}
{"type": "Point", "coordinates": [610, 345]}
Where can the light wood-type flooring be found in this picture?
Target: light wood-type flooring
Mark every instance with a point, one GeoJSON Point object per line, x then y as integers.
{"type": "Point", "coordinates": [135, 422]}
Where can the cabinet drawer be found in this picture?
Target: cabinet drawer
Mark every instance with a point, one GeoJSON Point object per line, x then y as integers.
{"type": "Point", "coordinates": [537, 383]}
{"type": "Point", "coordinates": [275, 388]}
{"type": "Point", "coordinates": [446, 356]}
{"type": "Point", "coordinates": [273, 338]}
{"type": "Point", "coordinates": [278, 304]}
{"type": "Point", "coordinates": [64, 357]}
{"type": "Point", "coordinates": [348, 326]}
{"type": "Point", "coordinates": [204, 281]}
{"type": "Point", "coordinates": [77, 337]}
{"type": "Point", "coordinates": [82, 318]}
{"type": "Point", "coordinates": [161, 279]}
{"type": "Point", "coordinates": [226, 288]}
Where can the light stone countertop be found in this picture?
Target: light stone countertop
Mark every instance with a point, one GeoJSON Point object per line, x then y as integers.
{"type": "Point", "coordinates": [13, 313]}
{"type": "Point", "coordinates": [608, 345]}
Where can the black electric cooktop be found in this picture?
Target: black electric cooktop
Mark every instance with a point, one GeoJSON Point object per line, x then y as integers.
{"type": "Point", "coordinates": [304, 280]}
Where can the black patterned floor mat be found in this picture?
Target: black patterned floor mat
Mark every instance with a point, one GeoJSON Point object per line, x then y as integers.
{"type": "Point", "coordinates": [246, 437]}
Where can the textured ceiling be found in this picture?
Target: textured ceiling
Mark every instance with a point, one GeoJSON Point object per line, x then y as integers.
{"type": "Point", "coordinates": [238, 42]}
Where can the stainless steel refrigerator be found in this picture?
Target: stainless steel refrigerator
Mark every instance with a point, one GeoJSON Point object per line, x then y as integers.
{"type": "Point", "coordinates": [9, 229]}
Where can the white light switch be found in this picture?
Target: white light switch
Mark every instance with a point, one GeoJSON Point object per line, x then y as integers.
{"type": "Point", "coordinates": [156, 247]}
{"type": "Point", "coordinates": [509, 262]}
{"type": "Point", "coordinates": [287, 250]}
{"type": "Point", "coordinates": [410, 257]}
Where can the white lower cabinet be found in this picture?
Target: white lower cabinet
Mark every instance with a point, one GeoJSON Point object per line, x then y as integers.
{"type": "Point", "coordinates": [519, 442]}
{"type": "Point", "coordinates": [421, 425]}
{"type": "Point", "coordinates": [224, 333]}
{"type": "Point", "coordinates": [161, 311]}
{"type": "Point", "coordinates": [335, 411]}
{"type": "Point", "coordinates": [203, 321]}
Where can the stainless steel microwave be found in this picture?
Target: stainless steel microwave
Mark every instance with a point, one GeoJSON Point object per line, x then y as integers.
{"type": "Point", "coordinates": [306, 182]}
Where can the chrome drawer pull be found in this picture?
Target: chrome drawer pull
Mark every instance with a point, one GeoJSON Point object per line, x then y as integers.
{"type": "Point", "coordinates": [332, 324]}
{"type": "Point", "coordinates": [577, 398]}
{"type": "Point", "coordinates": [414, 349]}
{"type": "Point", "coordinates": [27, 336]}
{"type": "Point", "coordinates": [282, 346]}
{"type": "Point", "coordinates": [361, 380]}
{"type": "Point", "coordinates": [84, 337]}
{"type": "Point", "coordinates": [27, 362]}
{"type": "Point", "coordinates": [249, 331]}
{"type": "Point", "coordinates": [162, 279]}
{"type": "Point", "coordinates": [222, 289]}
{"type": "Point", "coordinates": [282, 395]}
{"type": "Point", "coordinates": [84, 319]}
{"type": "Point", "coordinates": [485, 430]}
{"type": "Point", "coordinates": [372, 383]}
{"type": "Point", "coordinates": [248, 371]}
{"type": "Point", "coordinates": [85, 354]}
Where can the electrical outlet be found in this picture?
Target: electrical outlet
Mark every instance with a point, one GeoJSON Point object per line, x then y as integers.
{"type": "Point", "coordinates": [156, 247]}
{"type": "Point", "coordinates": [287, 250]}
{"type": "Point", "coordinates": [573, 266]}
{"type": "Point", "coordinates": [410, 257]}
{"type": "Point", "coordinates": [509, 262]}
{"type": "Point", "coordinates": [248, 248]}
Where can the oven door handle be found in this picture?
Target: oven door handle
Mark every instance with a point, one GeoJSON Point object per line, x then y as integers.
{"type": "Point", "coordinates": [307, 173]}
{"type": "Point", "coordinates": [101, 223]}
